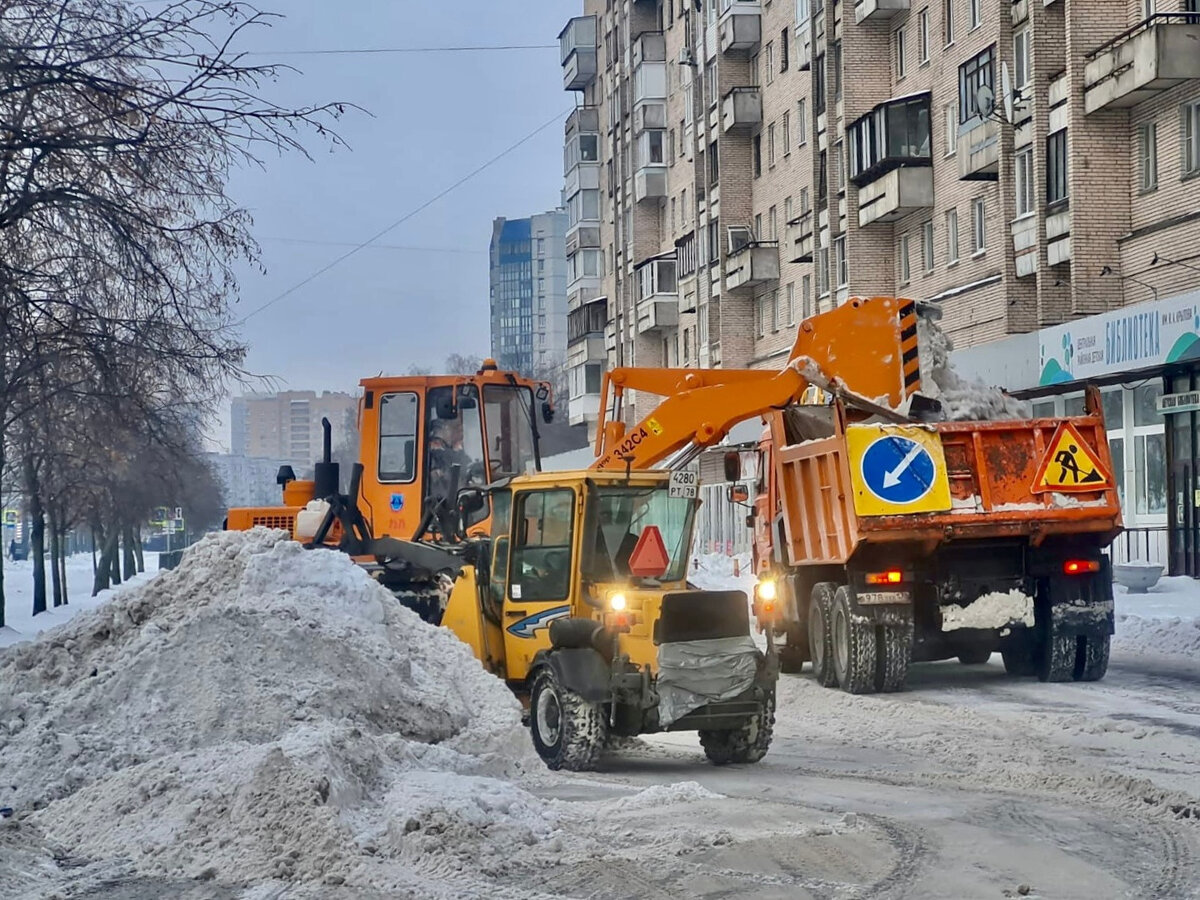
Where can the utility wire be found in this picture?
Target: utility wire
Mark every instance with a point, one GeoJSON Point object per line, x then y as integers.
{"type": "Point", "coordinates": [362, 51]}
{"type": "Point", "coordinates": [428, 203]}
{"type": "Point", "coordinates": [285, 240]}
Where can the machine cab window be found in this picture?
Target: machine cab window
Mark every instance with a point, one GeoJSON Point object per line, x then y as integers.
{"type": "Point", "coordinates": [455, 438]}
{"type": "Point", "coordinates": [622, 515]}
{"type": "Point", "coordinates": [543, 537]}
{"type": "Point", "coordinates": [512, 447]}
{"type": "Point", "coordinates": [397, 437]}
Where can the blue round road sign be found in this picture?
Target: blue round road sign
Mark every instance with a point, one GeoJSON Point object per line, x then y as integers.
{"type": "Point", "coordinates": [898, 470]}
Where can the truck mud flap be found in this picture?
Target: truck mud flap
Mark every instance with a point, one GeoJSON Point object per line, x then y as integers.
{"type": "Point", "coordinates": [583, 671]}
{"type": "Point", "coordinates": [1092, 619]}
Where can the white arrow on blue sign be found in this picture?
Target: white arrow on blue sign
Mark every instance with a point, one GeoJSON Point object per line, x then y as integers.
{"type": "Point", "coordinates": [898, 470]}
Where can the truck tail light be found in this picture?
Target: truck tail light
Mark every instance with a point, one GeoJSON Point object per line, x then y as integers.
{"type": "Point", "coordinates": [1081, 566]}
{"type": "Point", "coordinates": [891, 576]}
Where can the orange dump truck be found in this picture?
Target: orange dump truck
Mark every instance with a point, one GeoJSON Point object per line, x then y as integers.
{"type": "Point", "coordinates": [877, 543]}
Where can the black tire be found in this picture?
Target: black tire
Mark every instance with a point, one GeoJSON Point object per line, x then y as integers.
{"type": "Point", "coordinates": [1056, 656]}
{"type": "Point", "coordinates": [893, 650]}
{"type": "Point", "coordinates": [791, 659]}
{"type": "Point", "coordinates": [1019, 661]}
{"type": "Point", "coordinates": [747, 744]}
{"type": "Point", "coordinates": [820, 633]}
{"type": "Point", "coordinates": [568, 732]}
{"type": "Point", "coordinates": [854, 654]}
{"type": "Point", "coordinates": [1092, 664]}
{"type": "Point", "coordinates": [975, 656]}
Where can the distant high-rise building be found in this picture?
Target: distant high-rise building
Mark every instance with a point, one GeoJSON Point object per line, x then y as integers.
{"type": "Point", "coordinates": [287, 426]}
{"type": "Point", "coordinates": [529, 293]}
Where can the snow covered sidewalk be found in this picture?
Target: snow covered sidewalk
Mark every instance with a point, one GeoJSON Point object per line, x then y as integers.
{"type": "Point", "coordinates": [1165, 621]}
{"type": "Point", "coordinates": [22, 625]}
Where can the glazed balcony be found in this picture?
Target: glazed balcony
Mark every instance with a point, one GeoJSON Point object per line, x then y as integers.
{"type": "Point", "coordinates": [578, 44]}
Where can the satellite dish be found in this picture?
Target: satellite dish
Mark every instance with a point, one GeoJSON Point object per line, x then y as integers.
{"type": "Point", "coordinates": [985, 100]}
{"type": "Point", "coordinates": [1006, 86]}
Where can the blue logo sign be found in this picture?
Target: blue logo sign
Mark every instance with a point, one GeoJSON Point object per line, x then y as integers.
{"type": "Point", "coordinates": [530, 625]}
{"type": "Point", "coordinates": [397, 502]}
{"type": "Point", "coordinates": [898, 470]}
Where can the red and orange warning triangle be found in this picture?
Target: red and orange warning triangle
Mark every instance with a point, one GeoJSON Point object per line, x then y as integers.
{"type": "Point", "coordinates": [1070, 465]}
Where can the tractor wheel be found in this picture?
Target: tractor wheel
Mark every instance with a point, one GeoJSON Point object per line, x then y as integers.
{"type": "Point", "coordinates": [747, 744]}
{"type": "Point", "coordinates": [1094, 664]}
{"type": "Point", "coordinates": [567, 731]}
{"type": "Point", "coordinates": [854, 653]}
{"type": "Point", "coordinates": [1056, 656]}
{"type": "Point", "coordinates": [892, 653]}
{"type": "Point", "coordinates": [820, 633]}
{"type": "Point", "coordinates": [975, 656]}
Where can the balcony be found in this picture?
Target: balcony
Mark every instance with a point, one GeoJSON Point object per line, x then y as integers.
{"type": "Point", "coordinates": [610, 338]}
{"type": "Point", "coordinates": [587, 323]}
{"type": "Point", "coordinates": [658, 295]}
{"type": "Point", "coordinates": [585, 270]}
{"type": "Point", "coordinates": [896, 194]}
{"type": "Point", "coordinates": [579, 58]}
{"type": "Point", "coordinates": [799, 244]}
{"type": "Point", "coordinates": [741, 108]}
{"type": "Point", "coordinates": [1149, 58]}
{"type": "Point", "coordinates": [979, 152]}
{"type": "Point", "coordinates": [650, 179]}
{"type": "Point", "coordinates": [1058, 237]}
{"type": "Point", "coordinates": [878, 10]}
{"type": "Point", "coordinates": [1025, 249]}
{"type": "Point", "coordinates": [740, 25]}
{"type": "Point", "coordinates": [581, 163]}
{"type": "Point", "coordinates": [752, 264]}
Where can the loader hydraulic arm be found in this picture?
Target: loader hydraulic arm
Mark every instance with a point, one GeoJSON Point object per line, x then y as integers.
{"type": "Point", "coordinates": [867, 346]}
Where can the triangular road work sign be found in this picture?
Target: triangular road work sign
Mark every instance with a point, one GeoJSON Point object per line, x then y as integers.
{"type": "Point", "coordinates": [1070, 465]}
{"type": "Point", "coordinates": [649, 558]}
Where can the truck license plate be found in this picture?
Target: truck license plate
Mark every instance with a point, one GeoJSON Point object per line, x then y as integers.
{"type": "Point", "coordinates": [882, 598]}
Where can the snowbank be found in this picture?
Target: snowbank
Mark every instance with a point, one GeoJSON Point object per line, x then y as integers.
{"type": "Point", "coordinates": [261, 712]}
{"type": "Point", "coordinates": [1163, 621]}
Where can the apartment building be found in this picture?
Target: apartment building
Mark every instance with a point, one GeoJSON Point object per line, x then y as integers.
{"type": "Point", "coordinates": [529, 293]}
{"type": "Point", "coordinates": [737, 166]}
{"type": "Point", "coordinates": [287, 426]}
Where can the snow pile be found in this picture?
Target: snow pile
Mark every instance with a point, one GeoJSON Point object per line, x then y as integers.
{"type": "Point", "coordinates": [1173, 636]}
{"type": "Point", "coordinates": [990, 611]}
{"type": "Point", "coordinates": [264, 712]}
{"type": "Point", "coordinates": [961, 400]}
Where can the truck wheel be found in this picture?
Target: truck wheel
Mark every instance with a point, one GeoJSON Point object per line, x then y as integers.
{"type": "Point", "coordinates": [747, 744]}
{"type": "Point", "coordinates": [892, 652]}
{"type": "Point", "coordinates": [1095, 658]}
{"type": "Point", "coordinates": [853, 647]}
{"type": "Point", "coordinates": [820, 633]}
{"type": "Point", "coordinates": [975, 656]}
{"type": "Point", "coordinates": [567, 731]}
{"type": "Point", "coordinates": [1056, 659]}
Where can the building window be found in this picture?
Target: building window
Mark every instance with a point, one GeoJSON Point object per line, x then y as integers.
{"type": "Point", "coordinates": [787, 133]}
{"type": "Point", "coordinates": [976, 13]}
{"type": "Point", "coordinates": [1190, 114]}
{"type": "Point", "coordinates": [835, 52]}
{"type": "Point", "coordinates": [773, 309]}
{"type": "Point", "coordinates": [951, 237]}
{"type": "Point", "coordinates": [818, 84]}
{"type": "Point", "coordinates": [714, 241]}
{"type": "Point", "coordinates": [760, 316]}
{"type": "Point", "coordinates": [948, 21]}
{"type": "Point", "coordinates": [893, 134]}
{"type": "Point", "coordinates": [978, 225]}
{"type": "Point", "coordinates": [923, 35]}
{"type": "Point", "coordinates": [1057, 186]}
{"type": "Point", "coordinates": [759, 234]}
{"type": "Point", "coordinates": [840, 262]}
{"type": "Point", "coordinates": [756, 152]}
{"type": "Point", "coordinates": [755, 79]}
{"type": "Point", "coordinates": [773, 225]}
{"type": "Point", "coordinates": [905, 264]}
{"type": "Point", "coordinates": [901, 55]}
{"type": "Point", "coordinates": [788, 209]}
{"type": "Point", "coordinates": [783, 50]}
{"type": "Point", "coordinates": [927, 245]}
{"type": "Point", "coordinates": [791, 304]}
{"type": "Point", "coordinates": [771, 145]}
{"type": "Point", "coordinates": [1022, 63]}
{"type": "Point", "coordinates": [1148, 156]}
{"type": "Point", "coordinates": [822, 270]}
{"type": "Point", "coordinates": [714, 165]}
{"type": "Point", "coordinates": [1024, 182]}
{"type": "Point", "coordinates": [771, 62]}
{"type": "Point", "coordinates": [801, 123]}
{"type": "Point", "coordinates": [972, 75]}
{"type": "Point", "coordinates": [805, 296]}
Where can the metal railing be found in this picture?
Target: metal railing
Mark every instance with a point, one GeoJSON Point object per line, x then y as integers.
{"type": "Point", "coordinates": [1185, 18]}
{"type": "Point", "coordinates": [1145, 544]}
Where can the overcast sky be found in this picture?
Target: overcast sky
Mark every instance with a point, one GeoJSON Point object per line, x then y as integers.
{"type": "Point", "coordinates": [434, 118]}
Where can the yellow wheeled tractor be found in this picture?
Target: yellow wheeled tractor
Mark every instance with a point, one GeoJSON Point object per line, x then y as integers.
{"type": "Point", "coordinates": [579, 599]}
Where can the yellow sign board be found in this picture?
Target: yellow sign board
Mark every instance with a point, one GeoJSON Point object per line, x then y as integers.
{"type": "Point", "coordinates": [654, 427]}
{"type": "Point", "coordinates": [11, 516]}
{"type": "Point", "coordinates": [1070, 465]}
{"type": "Point", "coordinates": [897, 470]}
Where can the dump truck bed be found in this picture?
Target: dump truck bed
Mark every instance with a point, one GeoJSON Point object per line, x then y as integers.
{"type": "Point", "coordinates": [842, 486]}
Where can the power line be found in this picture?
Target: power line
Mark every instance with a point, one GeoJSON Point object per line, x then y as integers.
{"type": "Point", "coordinates": [360, 51]}
{"type": "Point", "coordinates": [428, 203]}
{"type": "Point", "coordinates": [285, 240]}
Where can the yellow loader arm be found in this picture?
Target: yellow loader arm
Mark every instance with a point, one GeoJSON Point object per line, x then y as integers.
{"type": "Point", "coordinates": [866, 346]}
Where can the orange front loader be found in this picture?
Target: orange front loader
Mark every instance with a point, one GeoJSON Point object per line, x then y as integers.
{"type": "Point", "coordinates": [883, 534]}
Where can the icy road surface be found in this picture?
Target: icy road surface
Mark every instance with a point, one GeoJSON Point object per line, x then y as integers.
{"type": "Point", "coordinates": [968, 785]}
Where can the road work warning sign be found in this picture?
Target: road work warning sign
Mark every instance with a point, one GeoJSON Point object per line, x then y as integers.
{"type": "Point", "coordinates": [1070, 465]}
